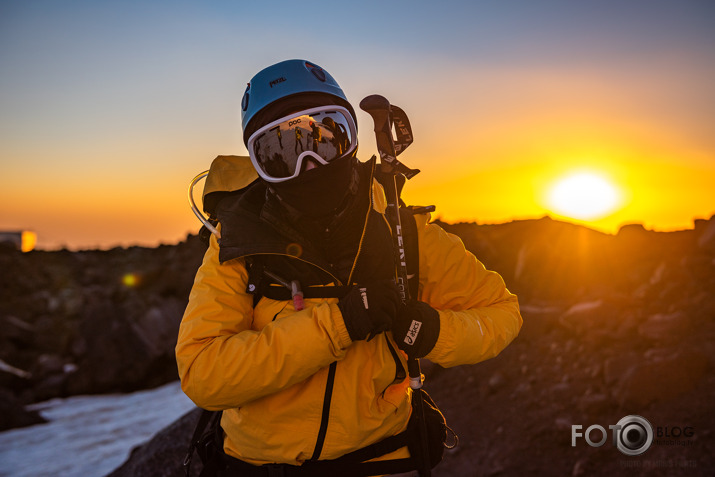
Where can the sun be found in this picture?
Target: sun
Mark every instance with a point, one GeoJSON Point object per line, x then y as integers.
{"type": "Point", "coordinates": [584, 196]}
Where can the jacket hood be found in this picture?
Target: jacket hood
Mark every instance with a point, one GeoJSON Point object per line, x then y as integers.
{"type": "Point", "coordinates": [227, 174]}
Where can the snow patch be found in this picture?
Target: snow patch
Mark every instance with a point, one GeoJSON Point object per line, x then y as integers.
{"type": "Point", "coordinates": [89, 435]}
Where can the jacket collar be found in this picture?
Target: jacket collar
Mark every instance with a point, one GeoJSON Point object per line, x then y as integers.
{"type": "Point", "coordinates": [258, 223]}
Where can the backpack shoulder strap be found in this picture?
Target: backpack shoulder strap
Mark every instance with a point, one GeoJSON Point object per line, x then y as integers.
{"type": "Point", "coordinates": [412, 250]}
{"type": "Point", "coordinates": [256, 278]}
{"type": "Point", "coordinates": [202, 440]}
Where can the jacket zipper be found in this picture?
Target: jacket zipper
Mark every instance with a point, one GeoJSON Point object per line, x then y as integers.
{"type": "Point", "coordinates": [333, 366]}
{"type": "Point", "coordinates": [326, 411]}
{"type": "Point", "coordinates": [330, 382]}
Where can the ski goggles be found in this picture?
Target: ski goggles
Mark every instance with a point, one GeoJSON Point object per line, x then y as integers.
{"type": "Point", "coordinates": [279, 149]}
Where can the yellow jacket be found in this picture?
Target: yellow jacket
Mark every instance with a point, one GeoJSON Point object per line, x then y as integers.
{"type": "Point", "coordinates": [267, 367]}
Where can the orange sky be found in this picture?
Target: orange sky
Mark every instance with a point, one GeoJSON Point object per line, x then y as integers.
{"type": "Point", "coordinates": [107, 112]}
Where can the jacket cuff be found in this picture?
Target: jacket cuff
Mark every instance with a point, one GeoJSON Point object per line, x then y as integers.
{"type": "Point", "coordinates": [343, 336]}
{"type": "Point", "coordinates": [444, 342]}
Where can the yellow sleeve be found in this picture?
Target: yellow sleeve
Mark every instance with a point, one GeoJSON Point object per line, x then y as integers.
{"type": "Point", "coordinates": [224, 362]}
{"type": "Point", "coordinates": [478, 316]}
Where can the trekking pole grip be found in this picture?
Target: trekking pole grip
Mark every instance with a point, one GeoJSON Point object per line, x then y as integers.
{"type": "Point", "coordinates": [379, 108]}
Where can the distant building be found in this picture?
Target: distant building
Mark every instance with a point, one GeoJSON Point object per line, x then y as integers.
{"type": "Point", "coordinates": [23, 240]}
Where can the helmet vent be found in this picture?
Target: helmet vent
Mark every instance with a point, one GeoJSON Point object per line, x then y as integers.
{"type": "Point", "coordinates": [244, 101]}
{"type": "Point", "coordinates": [316, 70]}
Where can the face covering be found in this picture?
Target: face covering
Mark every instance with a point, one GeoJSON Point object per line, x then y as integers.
{"type": "Point", "coordinates": [319, 192]}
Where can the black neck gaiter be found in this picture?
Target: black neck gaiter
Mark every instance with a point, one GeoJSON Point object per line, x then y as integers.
{"type": "Point", "coordinates": [320, 192]}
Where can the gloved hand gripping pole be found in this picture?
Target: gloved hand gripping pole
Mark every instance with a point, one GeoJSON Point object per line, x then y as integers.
{"type": "Point", "coordinates": [385, 116]}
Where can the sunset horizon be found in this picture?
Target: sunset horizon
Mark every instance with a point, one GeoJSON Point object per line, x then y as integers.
{"type": "Point", "coordinates": [35, 242]}
{"type": "Point", "coordinates": [595, 113]}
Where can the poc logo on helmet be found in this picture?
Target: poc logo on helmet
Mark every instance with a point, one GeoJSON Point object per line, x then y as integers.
{"type": "Point", "coordinates": [632, 435]}
{"type": "Point", "coordinates": [295, 121]}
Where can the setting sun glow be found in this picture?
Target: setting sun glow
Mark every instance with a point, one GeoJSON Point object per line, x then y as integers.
{"type": "Point", "coordinates": [584, 196]}
{"type": "Point", "coordinates": [518, 111]}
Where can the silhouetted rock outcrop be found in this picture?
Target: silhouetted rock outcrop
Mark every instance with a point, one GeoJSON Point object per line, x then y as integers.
{"type": "Point", "coordinates": [13, 414]}
{"type": "Point", "coordinates": [93, 321]}
{"type": "Point", "coordinates": [163, 455]}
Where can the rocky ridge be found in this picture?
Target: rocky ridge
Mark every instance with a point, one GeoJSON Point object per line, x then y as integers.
{"type": "Point", "coordinates": [613, 326]}
{"type": "Point", "coordinates": [91, 321]}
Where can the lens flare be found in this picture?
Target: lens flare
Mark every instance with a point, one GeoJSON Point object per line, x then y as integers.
{"type": "Point", "coordinates": [294, 250]}
{"type": "Point", "coordinates": [130, 280]}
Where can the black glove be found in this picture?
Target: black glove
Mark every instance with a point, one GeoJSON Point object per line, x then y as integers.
{"type": "Point", "coordinates": [416, 328]}
{"type": "Point", "coordinates": [368, 310]}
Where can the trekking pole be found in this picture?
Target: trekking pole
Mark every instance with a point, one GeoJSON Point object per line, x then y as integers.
{"type": "Point", "coordinates": [385, 116]}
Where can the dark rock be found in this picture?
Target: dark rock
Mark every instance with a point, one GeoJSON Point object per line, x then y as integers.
{"type": "Point", "coordinates": [668, 373]}
{"type": "Point", "coordinates": [47, 364]}
{"type": "Point", "coordinates": [49, 386]}
{"type": "Point", "coordinates": [662, 327]}
{"type": "Point", "coordinates": [163, 455]}
{"type": "Point", "coordinates": [617, 367]}
{"type": "Point", "coordinates": [16, 329]}
{"type": "Point", "coordinates": [13, 414]}
{"type": "Point", "coordinates": [595, 404]}
{"type": "Point", "coordinates": [79, 309]}
{"type": "Point", "coordinates": [12, 377]}
{"type": "Point", "coordinates": [579, 468]}
{"type": "Point", "coordinates": [496, 381]}
{"type": "Point", "coordinates": [706, 236]}
{"type": "Point", "coordinates": [632, 231]}
{"type": "Point", "coordinates": [126, 351]}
